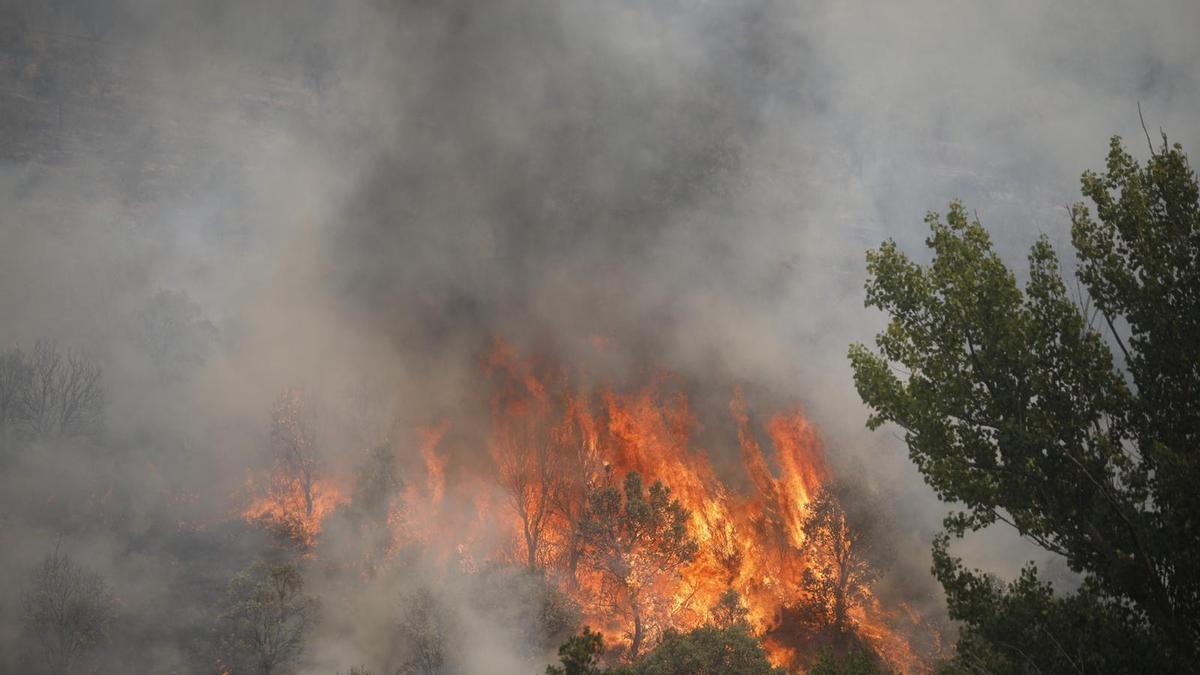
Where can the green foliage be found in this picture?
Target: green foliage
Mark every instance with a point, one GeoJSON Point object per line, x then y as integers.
{"type": "Point", "coordinates": [632, 539]}
{"type": "Point", "coordinates": [856, 661]}
{"type": "Point", "coordinates": [729, 610]}
{"type": "Point", "coordinates": [707, 650]}
{"type": "Point", "coordinates": [1013, 405]}
{"type": "Point", "coordinates": [1024, 627]}
{"type": "Point", "coordinates": [267, 618]}
{"type": "Point", "coordinates": [579, 655]}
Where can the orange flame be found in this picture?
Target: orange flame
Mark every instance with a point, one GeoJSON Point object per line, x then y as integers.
{"type": "Point", "coordinates": [551, 442]}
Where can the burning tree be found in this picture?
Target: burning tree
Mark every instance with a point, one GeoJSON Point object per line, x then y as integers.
{"type": "Point", "coordinates": [268, 617]}
{"type": "Point", "coordinates": [294, 444]}
{"type": "Point", "coordinates": [525, 456]}
{"type": "Point", "coordinates": [632, 540]}
{"type": "Point", "coordinates": [840, 569]}
{"type": "Point", "coordinates": [578, 465]}
{"type": "Point", "coordinates": [297, 499]}
{"type": "Point", "coordinates": [68, 609]}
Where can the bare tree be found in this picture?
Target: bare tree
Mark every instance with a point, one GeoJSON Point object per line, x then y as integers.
{"type": "Point", "coordinates": [14, 379]}
{"type": "Point", "coordinates": [267, 618]}
{"type": "Point", "coordinates": [49, 393]}
{"type": "Point", "coordinates": [68, 609]}
{"type": "Point", "coordinates": [578, 466]}
{"type": "Point", "coordinates": [523, 448]}
{"type": "Point", "coordinates": [422, 628]}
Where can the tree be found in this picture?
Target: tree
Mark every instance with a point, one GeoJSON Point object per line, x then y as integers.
{"type": "Point", "coordinates": [294, 446]}
{"type": "Point", "coordinates": [68, 609]}
{"type": "Point", "coordinates": [267, 618]}
{"type": "Point", "coordinates": [48, 394]}
{"type": "Point", "coordinates": [172, 331]}
{"type": "Point", "coordinates": [376, 495]}
{"type": "Point", "coordinates": [579, 655]}
{"type": "Point", "coordinates": [1013, 405]}
{"type": "Point", "coordinates": [840, 565]}
{"type": "Point", "coordinates": [856, 661]}
{"type": "Point", "coordinates": [729, 610]}
{"type": "Point", "coordinates": [707, 650]}
{"type": "Point", "coordinates": [524, 452]}
{"type": "Point", "coordinates": [15, 376]}
{"type": "Point", "coordinates": [576, 465]}
{"type": "Point", "coordinates": [631, 541]}
{"type": "Point", "coordinates": [422, 628]}
{"type": "Point", "coordinates": [529, 601]}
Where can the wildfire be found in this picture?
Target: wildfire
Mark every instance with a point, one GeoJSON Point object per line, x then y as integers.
{"type": "Point", "coordinates": [551, 443]}
{"type": "Point", "coordinates": [287, 511]}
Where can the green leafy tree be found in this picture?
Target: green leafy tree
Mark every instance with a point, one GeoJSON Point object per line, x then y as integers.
{"type": "Point", "coordinates": [632, 540]}
{"type": "Point", "coordinates": [579, 655]}
{"type": "Point", "coordinates": [68, 610]}
{"type": "Point", "coordinates": [856, 661]}
{"type": "Point", "coordinates": [1013, 405]}
{"type": "Point", "coordinates": [267, 619]}
{"type": "Point", "coordinates": [729, 609]}
{"type": "Point", "coordinates": [707, 650]}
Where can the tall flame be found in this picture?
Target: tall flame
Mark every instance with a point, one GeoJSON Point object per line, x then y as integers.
{"type": "Point", "coordinates": [551, 442]}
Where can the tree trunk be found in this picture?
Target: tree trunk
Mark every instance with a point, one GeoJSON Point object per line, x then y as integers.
{"type": "Point", "coordinates": [637, 625]}
{"type": "Point", "coordinates": [531, 546]}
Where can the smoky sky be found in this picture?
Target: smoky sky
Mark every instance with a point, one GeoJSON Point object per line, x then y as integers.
{"type": "Point", "coordinates": [377, 187]}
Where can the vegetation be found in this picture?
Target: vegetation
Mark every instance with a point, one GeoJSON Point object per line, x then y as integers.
{"type": "Point", "coordinates": [843, 567]}
{"type": "Point", "coordinates": [728, 610]}
{"type": "Point", "coordinates": [422, 630]}
{"type": "Point", "coordinates": [706, 650]}
{"type": "Point", "coordinates": [48, 394]}
{"type": "Point", "coordinates": [267, 618]}
{"type": "Point", "coordinates": [1071, 417]}
{"type": "Point", "coordinates": [294, 445]}
{"type": "Point", "coordinates": [631, 540]}
{"type": "Point", "coordinates": [68, 609]}
{"type": "Point", "coordinates": [580, 655]}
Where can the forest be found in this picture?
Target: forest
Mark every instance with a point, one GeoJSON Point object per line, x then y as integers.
{"type": "Point", "coordinates": [390, 337]}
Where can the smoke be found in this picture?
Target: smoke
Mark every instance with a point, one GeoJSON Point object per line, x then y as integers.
{"type": "Point", "coordinates": [358, 197]}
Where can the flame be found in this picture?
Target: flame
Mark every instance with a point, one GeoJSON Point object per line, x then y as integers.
{"type": "Point", "coordinates": [551, 440]}
{"type": "Point", "coordinates": [284, 509]}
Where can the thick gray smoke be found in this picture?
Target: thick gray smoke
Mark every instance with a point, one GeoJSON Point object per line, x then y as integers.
{"type": "Point", "coordinates": [216, 199]}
